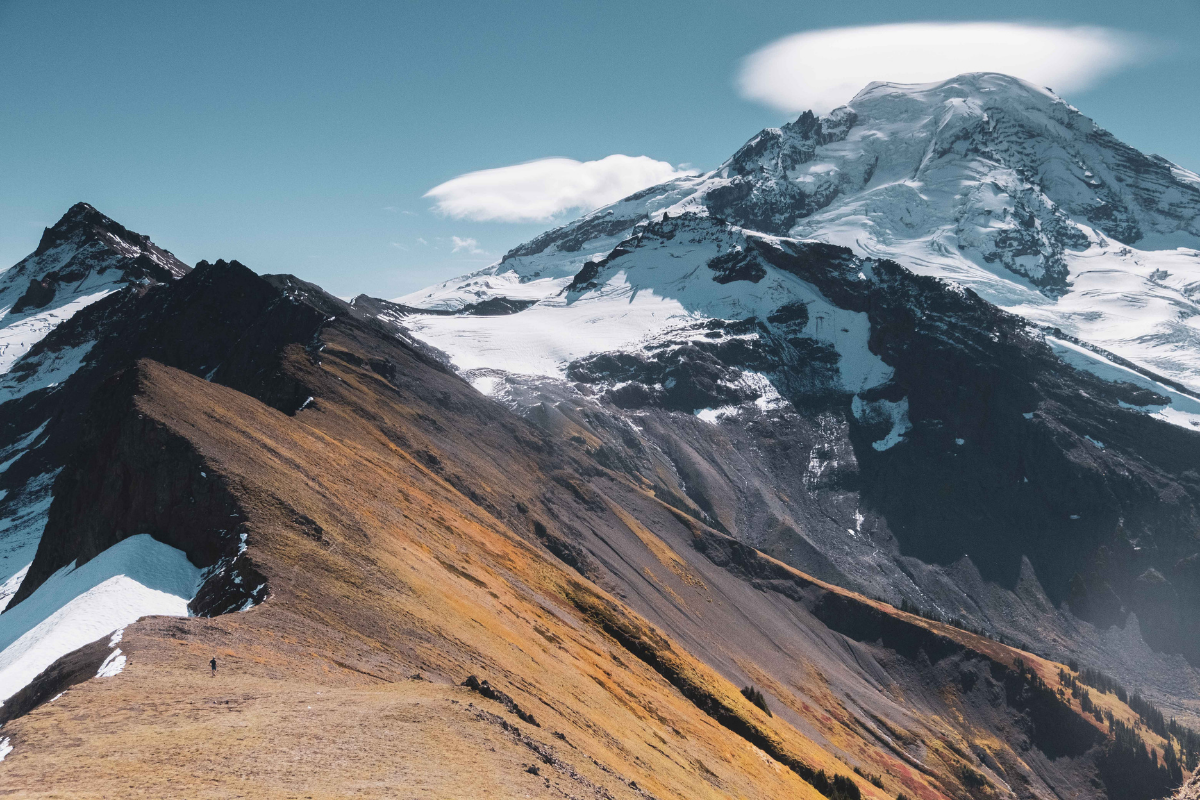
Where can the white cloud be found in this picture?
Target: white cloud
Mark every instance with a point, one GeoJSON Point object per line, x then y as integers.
{"type": "Point", "coordinates": [539, 190]}
{"type": "Point", "coordinates": [823, 69]}
{"type": "Point", "coordinates": [468, 244]}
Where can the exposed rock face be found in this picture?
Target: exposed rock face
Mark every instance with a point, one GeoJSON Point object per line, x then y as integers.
{"type": "Point", "coordinates": [39, 294]}
{"type": "Point", "coordinates": [758, 192]}
{"type": "Point", "coordinates": [130, 475]}
{"type": "Point", "coordinates": [1190, 790]}
{"type": "Point", "coordinates": [83, 234]}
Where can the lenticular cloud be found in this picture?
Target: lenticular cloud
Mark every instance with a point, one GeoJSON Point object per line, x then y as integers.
{"type": "Point", "coordinates": [821, 70]}
{"type": "Point", "coordinates": [539, 190]}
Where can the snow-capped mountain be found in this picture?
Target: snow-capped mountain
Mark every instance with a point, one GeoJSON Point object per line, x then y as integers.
{"type": "Point", "coordinates": [984, 180]}
{"type": "Point", "coordinates": [814, 341]}
{"type": "Point", "coordinates": [804, 354]}
{"type": "Point", "coordinates": [82, 258]}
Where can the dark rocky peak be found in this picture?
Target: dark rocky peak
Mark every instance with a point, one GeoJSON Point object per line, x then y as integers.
{"type": "Point", "coordinates": [301, 291]}
{"type": "Point", "coordinates": [83, 225]}
{"type": "Point", "coordinates": [225, 323]}
{"type": "Point", "coordinates": [80, 218]}
{"type": "Point", "coordinates": [84, 253]}
{"type": "Point", "coordinates": [492, 307]}
{"type": "Point", "coordinates": [571, 238]}
{"type": "Point", "coordinates": [386, 308]}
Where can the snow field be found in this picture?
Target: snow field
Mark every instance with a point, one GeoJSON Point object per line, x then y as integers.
{"type": "Point", "coordinates": [136, 577]}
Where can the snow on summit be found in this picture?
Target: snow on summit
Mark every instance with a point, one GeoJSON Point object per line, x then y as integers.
{"type": "Point", "coordinates": [984, 180]}
{"type": "Point", "coordinates": [82, 258]}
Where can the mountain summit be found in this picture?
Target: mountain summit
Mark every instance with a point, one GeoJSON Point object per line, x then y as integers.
{"type": "Point", "coordinates": [984, 179]}
{"type": "Point", "coordinates": [80, 259]}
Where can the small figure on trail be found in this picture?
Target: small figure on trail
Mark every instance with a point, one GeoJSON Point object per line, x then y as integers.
{"type": "Point", "coordinates": [213, 664]}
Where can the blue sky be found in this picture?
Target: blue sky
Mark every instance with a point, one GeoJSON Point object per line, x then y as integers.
{"type": "Point", "coordinates": [302, 137]}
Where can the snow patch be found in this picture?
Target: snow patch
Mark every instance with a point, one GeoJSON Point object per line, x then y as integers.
{"type": "Point", "coordinates": [897, 412]}
{"type": "Point", "coordinates": [45, 370]}
{"type": "Point", "coordinates": [19, 333]}
{"type": "Point", "coordinates": [136, 577]}
{"type": "Point", "coordinates": [487, 384]}
{"type": "Point", "coordinates": [10, 586]}
{"type": "Point", "coordinates": [112, 665]}
{"type": "Point", "coordinates": [1182, 411]}
{"type": "Point", "coordinates": [714, 415]}
{"type": "Point", "coordinates": [21, 529]}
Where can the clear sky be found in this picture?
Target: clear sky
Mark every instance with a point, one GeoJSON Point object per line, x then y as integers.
{"type": "Point", "coordinates": [302, 137]}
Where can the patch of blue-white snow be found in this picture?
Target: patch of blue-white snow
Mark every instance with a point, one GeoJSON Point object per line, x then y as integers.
{"type": "Point", "coordinates": [1183, 410]}
{"type": "Point", "coordinates": [112, 665]}
{"type": "Point", "coordinates": [21, 529]}
{"type": "Point", "coordinates": [136, 577]}
{"type": "Point", "coordinates": [897, 412]}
